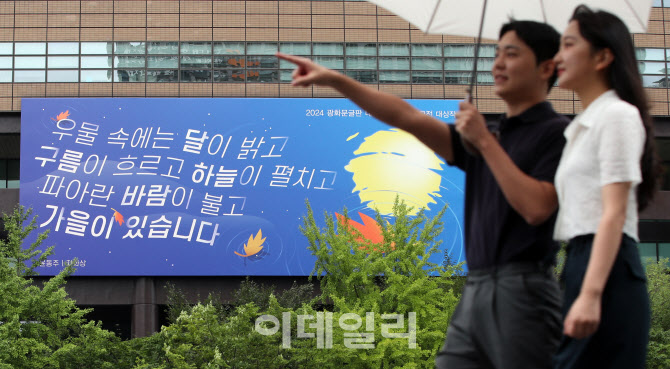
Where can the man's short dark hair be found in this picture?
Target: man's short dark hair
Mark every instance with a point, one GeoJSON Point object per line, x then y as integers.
{"type": "Point", "coordinates": [542, 38]}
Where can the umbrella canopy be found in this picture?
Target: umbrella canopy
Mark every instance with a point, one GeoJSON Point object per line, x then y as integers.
{"type": "Point", "coordinates": [462, 18]}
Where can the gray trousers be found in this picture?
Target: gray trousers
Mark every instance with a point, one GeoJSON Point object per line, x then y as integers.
{"type": "Point", "coordinates": [508, 318]}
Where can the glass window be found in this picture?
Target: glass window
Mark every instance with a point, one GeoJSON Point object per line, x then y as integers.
{"type": "Point", "coordinates": [63, 62]}
{"type": "Point", "coordinates": [283, 64]}
{"type": "Point", "coordinates": [285, 75]}
{"type": "Point", "coordinates": [467, 64]}
{"type": "Point", "coordinates": [261, 48]}
{"type": "Point", "coordinates": [647, 252]}
{"type": "Point", "coordinates": [427, 77]}
{"type": "Point", "coordinates": [29, 76]}
{"type": "Point", "coordinates": [459, 50]}
{"type": "Point", "coordinates": [484, 78]}
{"type": "Point", "coordinates": [196, 61]}
{"type": "Point", "coordinates": [434, 50]}
{"type": "Point", "coordinates": [328, 49]}
{"type": "Point", "coordinates": [655, 81]}
{"type": "Point", "coordinates": [394, 64]}
{"type": "Point", "coordinates": [62, 76]}
{"type": "Point", "coordinates": [196, 48]}
{"type": "Point", "coordinates": [332, 62]}
{"type": "Point", "coordinates": [13, 171]}
{"type": "Point", "coordinates": [232, 61]}
{"type": "Point", "coordinates": [262, 62]}
{"type": "Point", "coordinates": [649, 54]}
{"type": "Point", "coordinates": [64, 48]}
{"type": "Point", "coordinates": [361, 63]}
{"type": "Point", "coordinates": [364, 76]}
{"type": "Point", "coordinates": [3, 173]}
{"type": "Point", "coordinates": [657, 3]}
{"type": "Point", "coordinates": [229, 75]}
{"type": "Point", "coordinates": [427, 63]}
{"type": "Point", "coordinates": [129, 48]}
{"type": "Point", "coordinates": [162, 48]}
{"type": "Point", "coordinates": [96, 62]}
{"type": "Point", "coordinates": [30, 48]}
{"type": "Point", "coordinates": [457, 78]}
{"type": "Point", "coordinates": [162, 62]}
{"type": "Point", "coordinates": [96, 75]}
{"type": "Point", "coordinates": [651, 67]}
{"type": "Point", "coordinates": [229, 48]}
{"type": "Point", "coordinates": [263, 75]}
{"type": "Point", "coordinates": [664, 250]}
{"type": "Point", "coordinates": [201, 75]}
{"type": "Point", "coordinates": [129, 75]}
{"type": "Point", "coordinates": [168, 75]}
{"type": "Point", "coordinates": [5, 75]}
{"type": "Point", "coordinates": [362, 49]}
{"type": "Point", "coordinates": [6, 48]}
{"type": "Point", "coordinates": [296, 48]}
{"type": "Point", "coordinates": [487, 51]}
{"type": "Point", "coordinates": [393, 50]}
{"type": "Point", "coordinates": [393, 77]}
{"type": "Point", "coordinates": [6, 62]}
{"type": "Point", "coordinates": [96, 48]}
{"type": "Point", "coordinates": [29, 62]}
{"type": "Point", "coordinates": [129, 62]}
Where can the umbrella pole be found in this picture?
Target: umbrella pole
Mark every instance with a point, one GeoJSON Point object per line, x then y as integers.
{"type": "Point", "coordinates": [479, 41]}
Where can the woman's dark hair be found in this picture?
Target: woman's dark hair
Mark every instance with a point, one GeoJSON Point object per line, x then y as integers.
{"type": "Point", "coordinates": [606, 31]}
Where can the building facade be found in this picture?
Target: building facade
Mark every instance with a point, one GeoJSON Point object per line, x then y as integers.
{"type": "Point", "coordinates": [219, 49]}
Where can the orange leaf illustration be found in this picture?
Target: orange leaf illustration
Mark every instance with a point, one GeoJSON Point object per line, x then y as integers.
{"type": "Point", "coordinates": [62, 115]}
{"type": "Point", "coordinates": [370, 230]}
{"type": "Point", "coordinates": [118, 217]}
{"type": "Point", "coordinates": [253, 246]}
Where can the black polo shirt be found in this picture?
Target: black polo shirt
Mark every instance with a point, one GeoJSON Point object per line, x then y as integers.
{"type": "Point", "coordinates": [495, 234]}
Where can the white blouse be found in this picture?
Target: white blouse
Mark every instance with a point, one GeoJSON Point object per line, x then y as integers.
{"type": "Point", "coordinates": [604, 145]}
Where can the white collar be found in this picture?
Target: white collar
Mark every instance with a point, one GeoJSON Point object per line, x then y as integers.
{"type": "Point", "coordinates": [594, 110]}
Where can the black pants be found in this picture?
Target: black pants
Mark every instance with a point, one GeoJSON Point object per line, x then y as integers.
{"type": "Point", "coordinates": [621, 338]}
{"type": "Point", "coordinates": [507, 318]}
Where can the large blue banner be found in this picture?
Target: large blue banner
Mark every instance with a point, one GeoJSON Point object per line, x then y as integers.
{"type": "Point", "coordinates": [213, 187]}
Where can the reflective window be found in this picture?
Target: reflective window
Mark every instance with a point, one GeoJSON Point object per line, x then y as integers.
{"type": "Point", "coordinates": [361, 63]}
{"type": "Point", "coordinates": [162, 48]}
{"type": "Point", "coordinates": [221, 61]}
{"type": "Point", "coordinates": [647, 252]}
{"type": "Point", "coordinates": [434, 50]}
{"type": "Point", "coordinates": [29, 75]}
{"type": "Point", "coordinates": [262, 62]}
{"type": "Point", "coordinates": [126, 48]}
{"type": "Point", "coordinates": [6, 62]}
{"type": "Point", "coordinates": [394, 64]}
{"type": "Point", "coordinates": [467, 64]}
{"type": "Point", "coordinates": [427, 77]}
{"type": "Point", "coordinates": [162, 62]}
{"type": "Point", "coordinates": [128, 61]}
{"type": "Point", "coordinates": [649, 54]}
{"type": "Point", "coordinates": [196, 61]}
{"type": "Point", "coordinates": [332, 62]}
{"type": "Point", "coordinates": [393, 50]}
{"type": "Point", "coordinates": [262, 75]}
{"type": "Point", "coordinates": [5, 75]}
{"type": "Point", "coordinates": [328, 49]}
{"type": "Point", "coordinates": [283, 64]}
{"type": "Point", "coordinates": [651, 68]}
{"type": "Point", "coordinates": [196, 48]}
{"type": "Point", "coordinates": [13, 171]}
{"type": "Point", "coordinates": [29, 62]}
{"type": "Point", "coordinates": [362, 49]}
{"type": "Point", "coordinates": [487, 51]}
{"type": "Point", "coordinates": [30, 48]}
{"type": "Point", "coordinates": [484, 78]}
{"type": "Point", "coordinates": [129, 75]}
{"type": "Point", "coordinates": [655, 81]}
{"type": "Point", "coordinates": [657, 3]}
{"type": "Point", "coordinates": [229, 75]}
{"type": "Point", "coordinates": [285, 75]}
{"type": "Point", "coordinates": [96, 75]}
{"type": "Point", "coordinates": [427, 64]}
{"type": "Point", "coordinates": [63, 76]}
{"type": "Point", "coordinates": [393, 77]}
{"type": "Point", "coordinates": [363, 76]}
{"type": "Point", "coordinates": [96, 48]}
{"type": "Point", "coordinates": [96, 62]}
{"type": "Point", "coordinates": [296, 48]}
{"type": "Point", "coordinates": [6, 48]}
{"type": "Point", "coordinates": [459, 50]}
{"type": "Point", "coordinates": [262, 48]}
{"type": "Point", "coordinates": [229, 48]}
{"type": "Point", "coordinates": [63, 62]}
{"type": "Point", "coordinates": [64, 48]}
{"type": "Point", "coordinates": [195, 75]}
{"type": "Point", "coordinates": [457, 78]}
{"type": "Point", "coordinates": [169, 75]}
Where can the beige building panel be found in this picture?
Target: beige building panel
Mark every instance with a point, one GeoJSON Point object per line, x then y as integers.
{"type": "Point", "coordinates": [360, 35]}
{"type": "Point", "coordinates": [6, 34]}
{"type": "Point", "coordinates": [162, 34]}
{"type": "Point", "coordinates": [63, 34]}
{"type": "Point", "coordinates": [644, 40]}
{"type": "Point", "coordinates": [320, 91]}
{"type": "Point", "coordinates": [96, 34]}
{"type": "Point", "coordinates": [63, 20]}
{"type": "Point", "coordinates": [327, 7]}
{"type": "Point", "coordinates": [483, 92]}
{"type": "Point", "coordinates": [95, 89]}
{"type": "Point", "coordinates": [454, 91]}
{"type": "Point", "coordinates": [6, 104]}
{"type": "Point", "coordinates": [195, 6]}
{"type": "Point", "coordinates": [63, 7]}
{"type": "Point", "coordinates": [294, 7]}
{"type": "Point", "coordinates": [6, 89]}
{"type": "Point", "coordinates": [128, 89]}
{"type": "Point", "coordinates": [262, 7]}
{"type": "Point", "coordinates": [490, 106]}
{"type": "Point", "coordinates": [195, 90]}
{"type": "Point", "coordinates": [6, 7]}
{"type": "Point", "coordinates": [449, 39]}
{"type": "Point", "coordinates": [362, 8]}
{"type": "Point", "coordinates": [262, 34]}
{"type": "Point", "coordinates": [558, 93]}
{"type": "Point", "coordinates": [228, 89]}
{"type": "Point", "coordinates": [656, 14]}
{"type": "Point", "coordinates": [96, 20]}
{"type": "Point", "coordinates": [328, 35]}
{"type": "Point", "coordinates": [393, 36]}
{"type": "Point", "coordinates": [6, 20]}
{"type": "Point", "coordinates": [295, 21]}
{"type": "Point", "coordinates": [30, 34]}
{"type": "Point", "coordinates": [162, 20]}
{"type": "Point", "coordinates": [130, 34]}
{"type": "Point", "coordinates": [29, 89]}
{"type": "Point", "coordinates": [295, 34]}
{"type": "Point", "coordinates": [30, 7]}
{"type": "Point", "coordinates": [392, 22]}
{"type": "Point", "coordinates": [30, 20]}
{"type": "Point", "coordinates": [231, 7]}
{"type": "Point", "coordinates": [659, 108]}
{"type": "Point", "coordinates": [382, 11]}
{"type": "Point", "coordinates": [229, 20]}
{"type": "Point", "coordinates": [195, 20]}
{"type": "Point", "coordinates": [655, 27]}
{"type": "Point", "coordinates": [195, 34]}
{"type": "Point", "coordinates": [256, 20]}
{"type": "Point", "coordinates": [421, 38]}
{"type": "Point", "coordinates": [162, 89]}
{"type": "Point", "coordinates": [130, 20]}
{"type": "Point", "coordinates": [327, 21]}
{"type": "Point", "coordinates": [100, 7]}
{"type": "Point", "coordinates": [286, 90]}
{"type": "Point", "coordinates": [657, 94]}
{"type": "Point", "coordinates": [563, 106]}
{"type": "Point", "coordinates": [360, 21]}
{"type": "Point", "coordinates": [124, 6]}
{"type": "Point", "coordinates": [403, 91]}
{"type": "Point", "coordinates": [427, 91]}
{"type": "Point", "coordinates": [16, 104]}
{"type": "Point", "coordinates": [229, 34]}
{"type": "Point", "coordinates": [578, 106]}
{"type": "Point", "coordinates": [62, 89]}
{"type": "Point", "coordinates": [262, 89]}
{"type": "Point", "coordinates": [162, 6]}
